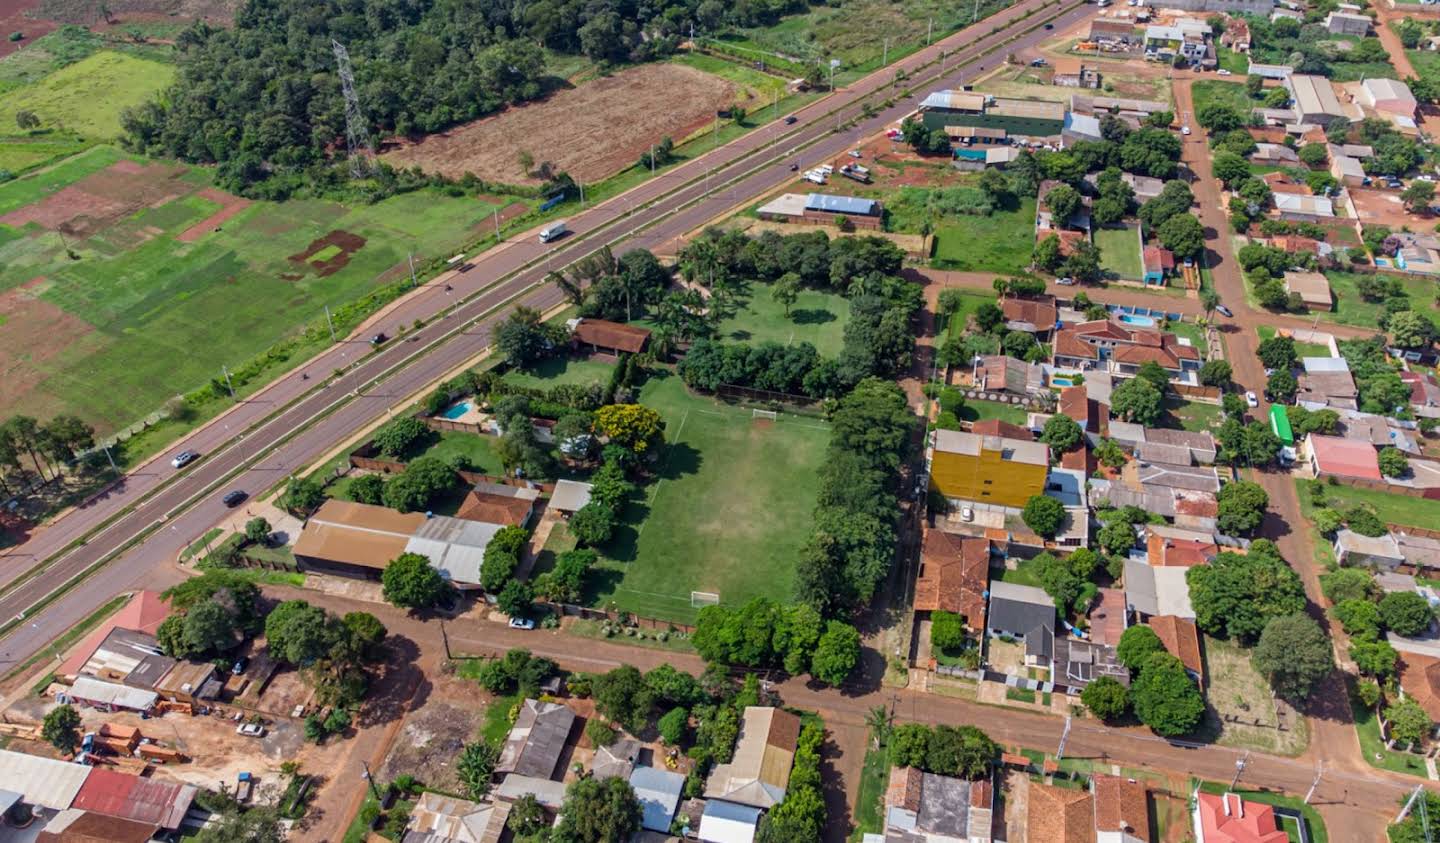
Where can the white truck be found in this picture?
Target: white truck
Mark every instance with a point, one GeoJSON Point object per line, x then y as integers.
{"type": "Point", "coordinates": [553, 231]}
{"type": "Point", "coordinates": [815, 176]}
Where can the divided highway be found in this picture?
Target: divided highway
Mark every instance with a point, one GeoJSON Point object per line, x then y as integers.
{"type": "Point", "coordinates": [292, 422]}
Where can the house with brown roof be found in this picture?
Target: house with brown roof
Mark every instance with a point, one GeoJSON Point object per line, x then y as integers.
{"type": "Point", "coordinates": [1108, 345]}
{"type": "Point", "coordinates": [1032, 314]}
{"type": "Point", "coordinates": [1059, 815]}
{"type": "Point", "coordinates": [499, 503]}
{"type": "Point", "coordinates": [759, 771]}
{"type": "Point", "coordinates": [1108, 618]}
{"type": "Point", "coordinates": [1000, 427]}
{"type": "Point", "coordinates": [1001, 373]}
{"type": "Point", "coordinates": [601, 335]}
{"type": "Point", "coordinates": [1420, 681]}
{"type": "Point", "coordinates": [1181, 640]}
{"type": "Point", "coordinates": [1158, 264]}
{"type": "Point", "coordinates": [954, 574]}
{"type": "Point", "coordinates": [1092, 416]}
{"type": "Point", "coordinates": [1312, 288]}
{"type": "Point", "coordinates": [1122, 810]}
{"type": "Point", "coordinates": [1174, 547]}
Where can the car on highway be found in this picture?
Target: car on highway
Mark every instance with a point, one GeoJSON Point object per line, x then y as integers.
{"type": "Point", "coordinates": [1251, 399]}
{"type": "Point", "coordinates": [790, 119]}
{"type": "Point", "coordinates": [184, 458]}
{"type": "Point", "coordinates": [1049, 26]}
{"type": "Point", "coordinates": [250, 730]}
{"type": "Point", "coordinates": [234, 497]}
{"type": "Point", "coordinates": [1224, 310]}
{"type": "Point", "coordinates": [378, 338]}
{"type": "Point", "coordinates": [521, 623]}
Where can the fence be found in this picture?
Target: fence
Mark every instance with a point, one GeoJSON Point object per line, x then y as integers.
{"type": "Point", "coordinates": [798, 404]}
{"type": "Point", "coordinates": [437, 423]}
{"type": "Point", "coordinates": [1207, 394]}
{"type": "Point", "coordinates": [1389, 488]}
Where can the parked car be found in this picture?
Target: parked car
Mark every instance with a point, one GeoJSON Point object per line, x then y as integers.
{"type": "Point", "coordinates": [234, 497]}
{"type": "Point", "coordinates": [521, 623]}
{"type": "Point", "coordinates": [1184, 130]}
{"type": "Point", "coordinates": [184, 458]}
{"type": "Point", "coordinates": [854, 153]}
{"type": "Point", "coordinates": [239, 666]}
{"type": "Point", "coordinates": [1251, 399]}
{"type": "Point", "coordinates": [1065, 282]}
{"type": "Point", "coordinates": [1224, 310]}
{"type": "Point", "coordinates": [1222, 72]}
{"type": "Point", "coordinates": [1052, 26]}
{"type": "Point", "coordinates": [250, 730]}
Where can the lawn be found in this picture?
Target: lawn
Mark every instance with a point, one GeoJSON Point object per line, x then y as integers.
{"type": "Point", "coordinates": [1350, 309]}
{"type": "Point", "coordinates": [974, 411]}
{"type": "Point", "coordinates": [1315, 824]}
{"type": "Point", "coordinates": [1192, 415]}
{"type": "Point", "coordinates": [970, 301]}
{"type": "Point", "coordinates": [1236, 63]}
{"type": "Point", "coordinates": [553, 371]}
{"type": "Point", "coordinates": [141, 315]}
{"type": "Point", "coordinates": [1303, 349]}
{"type": "Point", "coordinates": [1119, 252]}
{"type": "Point", "coordinates": [1426, 63]}
{"type": "Point", "coordinates": [1372, 746]}
{"type": "Point", "coordinates": [869, 802]}
{"type": "Point", "coordinates": [816, 317]}
{"type": "Point", "coordinates": [762, 84]}
{"type": "Point", "coordinates": [1022, 574]}
{"type": "Point", "coordinates": [88, 96]}
{"type": "Point", "coordinates": [1000, 242]}
{"type": "Point", "coordinates": [1232, 94]}
{"type": "Point", "coordinates": [1395, 509]}
{"type": "Point", "coordinates": [1236, 690]}
{"type": "Point", "coordinates": [1190, 331]}
{"type": "Point", "coordinates": [728, 513]}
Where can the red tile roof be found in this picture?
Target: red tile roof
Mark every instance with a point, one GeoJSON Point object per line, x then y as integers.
{"type": "Point", "coordinates": [905, 788]}
{"type": "Point", "coordinates": [1039, 311]}
{"type": "Point", "coordinates": [998, 427]}
{"type": "Point", "coordinates": [1179, 553]}
{"type": "Point", "coordinates": [143, 613]}
{"type": "Point", "coordinates": [133, 798]}
{"type": "Point", "coordinates": [495, 509]}
{"type": "Point", "coordinates": [1122, 805]}
{"type": "Point", "coordinates": [1158, 259]}
{"type": "Point", "coordinates": [612, 335]}
{"type": "Point", "coordinates": [954, 573]}
{"type": "Point", "coordinates": [1107, 619]}
{"type": "Point", "coordinates": [1069, 344]}
{"type": "Point", "coordinates": [1345, 457]}
{"type": "Point", "coordinates": [1080, 459]}
{"type": "Point", "coordinates": [1059, 815]}
{"type": "Point", "coordinates": [1230, 819]}
{"type": "Point", "coordinates": [1420, 679]}
{"type": "Point", "coordinates": [1182, 640]}
{"type": "Point", "coordinates": [1281, 183]}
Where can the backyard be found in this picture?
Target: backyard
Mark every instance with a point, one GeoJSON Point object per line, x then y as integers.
{"type": "Point", "coordinates": [970, 301]}
{"type": "Point", "coordinates": [728, 511]}
{"type": "Point", "coordinates": [1119, 252]}
{"type": "Point", "coordinates": [1350, 309]}
{"type": "Point", "coordinates": [1303, 349]}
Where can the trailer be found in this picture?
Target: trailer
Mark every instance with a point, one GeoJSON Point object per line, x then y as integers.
{"type": "Point", "coordinates": [855, 174]}
{"type": "Point", "coordinates": [553, 231]}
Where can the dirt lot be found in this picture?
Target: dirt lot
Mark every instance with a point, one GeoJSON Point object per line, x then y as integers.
{"type": "Point", "coordinates": [590, 131]}
{"type": "Point", "coordinates": [433, 734]}
{"type": "Point", "coordinates": [45, 330]}
{"type": "Point", "coordinates": [15, 17]}
{"type": "Point", "coordinates": [97, 201]}
{"type": "Point", "coordinates": [1383, 207]}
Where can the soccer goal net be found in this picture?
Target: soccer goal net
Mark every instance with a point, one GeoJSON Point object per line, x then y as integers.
{"type": "Point", "coordinates": [704, 598]}
{"type": "Point", "coordinates": [764, 414]}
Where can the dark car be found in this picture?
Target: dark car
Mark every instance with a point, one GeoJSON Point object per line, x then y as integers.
{"type": "Point", "coordinates": [378, 338]}
{"type": "Point", "coordinates": [790, 119]}
{"type": "Point", "coordinates": [1049, 26]}
{"type": "Point", "coordinates": [234, 497]}
{"type": "Point", "coordinates": [1224, 310]}
{"type": "Point", "coordinates": [239, 666]}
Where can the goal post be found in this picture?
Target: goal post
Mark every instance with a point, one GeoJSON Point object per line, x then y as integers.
{"type": "Point", "coordinates": [772, 415]}
{"type": "Point", "coordinates": [704, 598]}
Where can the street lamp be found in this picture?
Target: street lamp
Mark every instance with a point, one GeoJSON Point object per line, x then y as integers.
{"type": "Point", "coordinates": [370, 780]}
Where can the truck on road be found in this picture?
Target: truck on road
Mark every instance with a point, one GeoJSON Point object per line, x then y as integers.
{"type": "Point", "coordinates": [553, 231]}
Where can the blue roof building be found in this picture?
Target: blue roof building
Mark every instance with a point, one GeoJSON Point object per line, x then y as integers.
{"type": "Point", "coordinates": [659, 793]}
{"type": "Point", "coordinates": [849, 205]}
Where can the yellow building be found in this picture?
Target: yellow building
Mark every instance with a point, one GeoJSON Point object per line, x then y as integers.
{"type": "Point", "coordinates": [987, 469]}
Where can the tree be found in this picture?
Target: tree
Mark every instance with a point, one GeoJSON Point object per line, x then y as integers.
{"type": "Point", "coordinates": [521, 337]}
{"type": "Point", "coordinates": [837, 653]}
{"type": "Point", "coordinates": [786, 291]}
{"type": "Point", "coordinates": [1137, 400]}
{"type": "Point", "coordinates": [208, 628]}
{"type": "Point", "coordinates": [1417, 195]}
{"type": "Point", "coordinates": [296, 632]}
{"type": "Point", "coordinates": [1215, 373]}
{"type": "Point", "coordinates": [623, 696]}
{"type": "Point", "coordinates": [593, 524]}
{"type": "Point", "coordinates": [1344, 584]}
{"type": "Point", "coordinates": [1117, 537]}
{"type": "Point", "coordinates": [672, 725]}
{"type": "Point", "coordinates": [396, 438]}
{"type": "Point", "coordinates": [1236, 595]}
{"type": "Point", "coordinates": [1374, 658]}
{"type": "Point", "coordinates": [61, 728]}
{"type": "Point", "coordinates": [1061, 433]}
{"type": "Point", "coordinates": [516, 599]}
{"type": "Point", "coordinates": [367, 631]}
{"type": "Point", "coordinates": [26, 120]}
{"type": "Point", "coordinates": [1165, 698]}
{"type": "Point", "coordinates": [1294, 654]}
{"type": "Point", "coordinates": [1047, 254]}
{"type": "Point", "coordinates": [253, 825]}
{"type": "Point", "coordinates": [476, 766]}
{"type": "Point", "coordinates": [257, 530]}
{"type": "Point", "coordinates": [411, 582]}
{"type": "Point", "coordinates": [1313, 155]}
{"type": "Point", "coordinates": [1044, 515]}
{"type": "Point", "coordinates": [1229, 168]}
{"type": "Point", "coordinates": [1106, 698]}
{"type": "Point", "coordinates": [947, 630]}
{"type": "Point", "coordinates": [1393, 462]}
{"type": "Point", "coordinates": [302, 496]}
{"type": "Point", "coordinates": [1137, 643]}
{"type": "Point", "coordinates": [527, 815]}
{"type": "Point", "coordinates": [1281, 386]}
{"type": "Point", "coordinates": [1410, 329]}
{"type": "Point", "coordinates": [1063, 201]}
{"type": "Point", "coordinates": [633, 426]}
{"type": "Point", "coordinates": [1358, 617]}
{"type": "Point", "coordinates": [1277, 352]}
{"type": "Point", "coordinates": [1242, 507]}
{"type": "Point", "coordinates": [988, 316]}
{"type": "Point", "coordinates": [1405, 613]}
{"type": "Point", "coordinates": [1408, 722]}
{"type": "Point", "coordinates": [1184, 235]}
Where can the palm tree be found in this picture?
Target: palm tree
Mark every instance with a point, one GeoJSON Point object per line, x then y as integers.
{"type": "Point", "coordinates": [571, 289]}
{"type": "Point", "coordinates": [877, 720]}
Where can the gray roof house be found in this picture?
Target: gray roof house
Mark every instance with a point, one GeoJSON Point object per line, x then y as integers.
{"type": "Point", "coordinates": [659, 794]}
{"type": "Point", "coordinates": [1024, 612]}
{"type": "Point", "coordinates": [1351, 548]}
{"type": "Point", "coordinates": [928, 808]}
{"type": "Point", "coordinates": [1157, 591]}
{"type": "Point", "coordinates": [537, 740]}
{"type": "Point", "coordinates": [1197, 478]}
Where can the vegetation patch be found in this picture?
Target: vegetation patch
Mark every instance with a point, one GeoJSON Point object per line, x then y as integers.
{"type": "Point", "coordinates": [88, 96]}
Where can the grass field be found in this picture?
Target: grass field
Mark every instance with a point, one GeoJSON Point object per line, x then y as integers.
{"type": "Point", "coordinates": [1119, 252]}
{"type": "Point", "coordinates": [1000, 242]}
{"type": "Point", "coordinates": [141, 315]}
{"type": "Point", "coordinates": [88, 96]}
{"type": "Point", "coordinates": [982, 410]}
{"type": "Point", "coordinates": [553, 371]}
{"type": "Point", "coordinates": [18, 154]}
{"type": "Point", "coordinates": [1236, 63]}
{"type": "Point", "coordinates": [1303, 349]}
{"type": "Point", "coordinates": [1227, 93]}
{"type": "Point", "coordinates": [1350, 309]}
{"type": "Point", "coordinates": [816, 317]}
{"type": "Point", "coordinates": [1394, 509]}
{"type": "Point", "coordinates": [728, 513]}
{"type": "Point", "coordinates": [970, 301]}
{"type": "Point", "coordinates": [1426, 63]}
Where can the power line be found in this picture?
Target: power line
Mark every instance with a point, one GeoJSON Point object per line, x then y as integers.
{"type": "Point", "coordinates": [357, 132]}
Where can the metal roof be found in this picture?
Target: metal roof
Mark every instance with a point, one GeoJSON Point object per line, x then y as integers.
{"type": "Point", "coordinates": [954, 101]}
{"type": "Point", "coordinates": [727, 822]}
{"type": "Point", "coordinates": [551, 794]}
{"type": "Point", "coordinates": [454, 546]}
{"type": "Point", "coordinates": [659, 794]}
{"type": "Point", "coordinates": [1314, 95]}
{"type": "Point", "coordinates": [537, 740]}
{"type": "Point", "coordinates": [43, 782]}
{"type": "Point", "coordinates": [133, 798]}
{"type": "Point", "coordinates": [569, 495]}
{"type": "Point", "coordinates": [109, 693]}
{"type": "Point", "coordinates": [841, 204]}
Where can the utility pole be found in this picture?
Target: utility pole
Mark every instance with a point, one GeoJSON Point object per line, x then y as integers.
{"type": "Point", "coordinates": [1064, 736]}
{"type": "Point", "coordinates": [331, 322]}
{"type": "Point", "coordinates": [1239, 768]}
{"type": "Point", "coordinates": [410, 256]}
{"type": "Point", "coordinates": [1319, 771]}
{"type": "Point", "coordinates": [498, 236]}
{"type": "Point", "coordinates": [652, 159]}
{"type": "Point", "coordinates": [929, 28]}
{"type": "Point", "coordinates": [976, 15]}
{"type": "Point", "coordinates": [581, 185]}
{"type": "Point", "coordinates": [885, 53]}
{"type": "Point", "coordinates": [228, 384]}
{"type": "Point", "coordinates": [370, 780]}
{"type": "Point", "coordinates": [113, 467]}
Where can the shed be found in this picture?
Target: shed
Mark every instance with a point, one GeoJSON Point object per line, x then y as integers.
{"type": "Point", "coordinates": [133, 798]}
{"type": "Point", "coordinates": [74, 826]}
{"type": "Point", "coordinates": [569, 496]}
{"type": "Point", "coordinates": [537, 740]}
{"type": "Point", "coordinates": [1280, 424]}
{"type": "Point", "coordinates": [110, 696]}
{"type": "Point", "coordinates": [728, 822]}
{"type": "Point", "coordinates": [847, 205]}
{"type": "Point", "coordinates": [659, 794]}
{"type": "Point", "coordinates": [1352, 548]}
{"type": "Point", "coordinates": [42, 782]}
{"type": "Point", "coordinates": [603, 335]}
{"type": "Point", "coordinates": [1333, 455]}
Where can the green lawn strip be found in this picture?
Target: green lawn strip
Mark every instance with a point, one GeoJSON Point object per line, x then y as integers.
{"type": "Point", "coordinates": [1350, 309]}
{"type": "Point", "coordinates": [728, 513]}
{"type": "Point", "coordinates": [199, 545]}
{"type": "Point", "coordinates": [358, 831]}
{"type": "Point", "coordinates": [1426, 63]}
{"type": "Point", "coordinates": [1312, 816]}
{"type": "Point", "coordinates": [1320, 550]}
{"type": "Point", "coordinates": [594, 630]}
{"type": "Point", "coordinates": [1236, 63]}
{"type": "Point", "coordinates": [69, 637]}
{"type": "Point", "coordinates": [1022, 574]}
{"type": "Point", "coordinates": [1303, 349]}
{"type": "Point", "coordinates": [974, 411]}
{"type": "Point", "coordinates": [869, 802]}
{"type": "Point", "coordinates": [1394, 509]}
{"type": "Point", "coordinates": [1119, 252]}
{"type": "Point", "coordinates": [553, 371]}
{"type": "Point", "coordinates": [1372, 746]}
{"type": "Point", "coordinates": [496, 724]}
{"type": "Point", "coordinates": [1020, 695]}
{"type": "Point", "coordinates": [1000, 242]}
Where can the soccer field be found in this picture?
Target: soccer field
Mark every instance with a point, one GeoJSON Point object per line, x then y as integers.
{"type": "Point", "coordinates": [729, 512]}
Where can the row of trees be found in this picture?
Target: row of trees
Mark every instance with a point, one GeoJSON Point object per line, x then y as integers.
{"type": "Point", "coordinates": [48, 446]}
{"type": "Point", "coordinates": [763, 633]}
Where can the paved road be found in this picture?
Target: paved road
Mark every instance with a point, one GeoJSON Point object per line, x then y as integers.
{"type": "Point", "coordinates": [276, 456]}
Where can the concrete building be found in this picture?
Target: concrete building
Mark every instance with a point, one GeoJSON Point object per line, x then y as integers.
{"type": "Point", "coordinates": [1297, 207]}
{"type": "Point", "coordinates": [1183, 38]}
{"type": "Point", "coordinates": [1025, 118]}
{"type": "Point", "coordinates": [1347, 23]}
{"type": "Point", "coordinates": [1312, 287]}
{"type": "Point", "coordinates": [1388, 97]}
{"type": "Point", "coordinates": [987, 469]}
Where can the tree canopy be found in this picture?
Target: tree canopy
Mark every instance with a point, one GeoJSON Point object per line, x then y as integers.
{"type": "Point", "coordinates": [1235, 595]}
{"type": "Point", "coordinates": [1293, 653]}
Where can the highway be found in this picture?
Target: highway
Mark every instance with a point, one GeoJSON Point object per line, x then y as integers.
{"type": "Point", "coordinates": [294, 421]}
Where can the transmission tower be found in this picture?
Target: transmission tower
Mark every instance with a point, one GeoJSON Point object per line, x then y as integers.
{"type": "Point", "coordinates": [357, 135]}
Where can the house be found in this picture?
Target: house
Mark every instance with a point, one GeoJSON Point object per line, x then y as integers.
{"type": "Point", "coordinates": [354, 539]}
{"type": "Point", "coordinates": [1059, 815]}
{"type": "Point", "coordinates": [1270, 71]}
{"type": "Point", "coordinates": [1080, 127]}
{"type": "Point", "coordinates": [110, 696]}
{"type": "Point", "coordinates": [1119, 33]}
{"type": "Point", "coordinates": [999, 427]}
{"type": "Point", "coordinates": [1420, 553]}
{"type": "Point", "coordinates": [728, 822]}
{"type": "Point", "coordinates": [1122, 810]}
{"type": "Point", "coordinates": [1314, 100]}
{"type": "Point", "coordinates": [1155, 452]}
{"type": "Point", "coordinates": [569, 496]}
{"type": "Point", "coordinates": [437, 818]}
{"type": "Point", "coordinates": [760, 768]}
{"type": "Point", "coordinates": [1295, 207]}
{"type": "Point", "coordinates": [1391, 582]}
{"type": "Point", "coordinates": [825, 208]}
{"type": "Point", "coordinates": [1379, 431]}
{"type": "Point", "coordinates": [1274, 153]}
{"type": "Point", "coordinates": [1347, 23]}
{"type": "Point", "coordinates": [1120, 106]}
{"type": "Point", "coordinates": [1333, 456]}
{"type": "Point", "coordinates": [987, 469]}
{"type": "Point", "coordinates": [1109, 345]}
{"type": "Point", "coordinates": [42, 782]}
{"type": "Point", "coordinates": [1198, 478]}
{"type": "Point", "coordinates": [1036, 315]}
{"type": "Point", "coordinates": [1108, 619]}
{"type": "Point", "coordinates": [1074, 73]}
{"type": "Point", "coordinates": [141, 615]}
{"type": "Point", "coordinates": [1092, 416]}
{"type": "Point", "coordinates": [498, 503]}
{"type": "Point", "coordinates": [1173, 547]}
{"type": "Point", "coordinates": [125, 653]}
{"type": "Point", "coordinates": [1388, 96]}
{"type": "Point", "coordinates": [1182, 640]}
{"type": "Point", "coordinates": [72, 826]}
{"type": "Point", "coordinates": [1326, 382]}
{"type": "Point", "coordinates": [537, 740]}
{"type": "Point", "coordinates": [1424, 389]}
{"type": "Point", "coordinates": [1152, 591]}
{"type": "Point", "coordinates": [1026, 613]}
{"type": "Point", "coordinates": [611, 337]}
{"type": "Point", "coordinates": [1000, 373]}
{"type": "Point", "coordinates": [954, 574]}
{"type": "Point", "coordinates": [548, 792]}
{"type": "Point", "coordinates": [1313, 288]}
{"type": "Point", "coordinates": [1236, 35]}
{"type": "Point", "coordinates": [1356, 550]}
{"type": "Point", "coordinates": [1284, 183]}
{"type": "Point", "coordinates": [1420, 681]}
{"type": "Point", "coordinates": [1158, 263]}
{"type": "Point", "coordinates": [1226, 818]}
{"type": "Point", "coordinates": [924, 807]}
{"type": "Point", "coordinates": [658, 792]}
{"type": "Point", "coordinates": [1184, 38]}
{"type": "Point", "coordinates": [1348, 171]}
{"type": "Point", "coordinates": [1078, 662]}
{"type": "Point", "coordinates": [190, 682]}
{"type": "Point", "coordinates": [1199, 443]}
{"type": "Point", "coordinates": [143, 800]}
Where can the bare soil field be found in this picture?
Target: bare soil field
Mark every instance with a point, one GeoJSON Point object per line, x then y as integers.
{"type": "Point", "coordinates": [45, 331]}
{"type": "Point", "coordinates": [15, 17]}
{"type": "Point", "coordinates": [87, 12]}
{"type": "Point", "coordinates": [101, 199]}
{"type": "Point", "coordinates": [589, 131]}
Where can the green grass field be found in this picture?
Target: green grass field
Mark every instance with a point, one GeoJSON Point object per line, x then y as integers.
{"type": "Point", "coordinates": [141, 316]}
{"type": "Point", "coordinates": [970, 301]}
{"type": "Point", "coordinates": [816, 317]}
{"type": "Point", "coordinates": [762, 84]}
{"type": "Point", "coordinates": [1350, 309]}
{"type": "Point", "coordinates": [1394, 509]}
{"type": "Point", "coordinates": [553, 371]}
{"type": "Point", "coordinates": [1228, 93]}
{"type": "Point", "coordinates": [88, 96]}
{"type": "Point", "coordinates": [19, 154]}
{"type": "Point", "coordinates": [728, 513]}
{"type": "Point", "coordinates": [1000, 242]}
{"type": "Point", "coordinates": [1119, 252]}
{"type": "Point", "coordinates": [1303, 349]}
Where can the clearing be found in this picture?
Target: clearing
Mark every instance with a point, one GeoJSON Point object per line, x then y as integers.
{"type": "Point", "coordinates": [1119, 252]}
{"type": "Point", "coordinates": [816, 317]}
{"type": "Point", "coordinates": [729, 511]}
{"type": "Point", "coordinates": [589, 131]}
{"type": "Point", "coordinates": [1351, 309]}
{"type": "Point", "coordinates": [1000, 242]}
{"type": "Point", "coordinates": [1241, 713]}
{"type": "Point", "coordinates": [88, 96]}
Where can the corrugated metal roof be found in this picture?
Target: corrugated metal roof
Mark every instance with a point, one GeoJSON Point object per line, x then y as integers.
{"type": "Point", "coordinates": [569, 495]}
{"type": "Point", "coordinates": [659, 794]}
{"type": "Point", "coordinates": [454, 546]}
{"type": "Point", "coordinates": [110, 693]}
{"type": "Point", "coordinates": [133, 798]}
{"type": "Point", "coordinates": [42, 781]}
{"type": "Point", "coordinates": [840, 204]}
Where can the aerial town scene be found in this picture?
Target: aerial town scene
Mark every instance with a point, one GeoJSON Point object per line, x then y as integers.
{"type": "Point", "coordinates": [867, 421]}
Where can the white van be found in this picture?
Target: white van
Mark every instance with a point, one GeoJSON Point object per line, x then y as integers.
{"type": "Point", "coordinates": [553, 231]}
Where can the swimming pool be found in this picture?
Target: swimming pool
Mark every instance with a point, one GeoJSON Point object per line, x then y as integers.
{"type": "Point", "coordinates": [1138, 321]}
{"type": "Point", "coordinates": [458, 410]}
{"type": "Point", "coordinates": [1061, 381]}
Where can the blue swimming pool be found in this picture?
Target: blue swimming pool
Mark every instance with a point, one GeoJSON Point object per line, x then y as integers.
{"type": "Point", "coordinates": [1137, 321]}
{"type": "Point", "coordinates": [1059, 381]}
{"type": "Point", "coordinates": [458, 410]}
